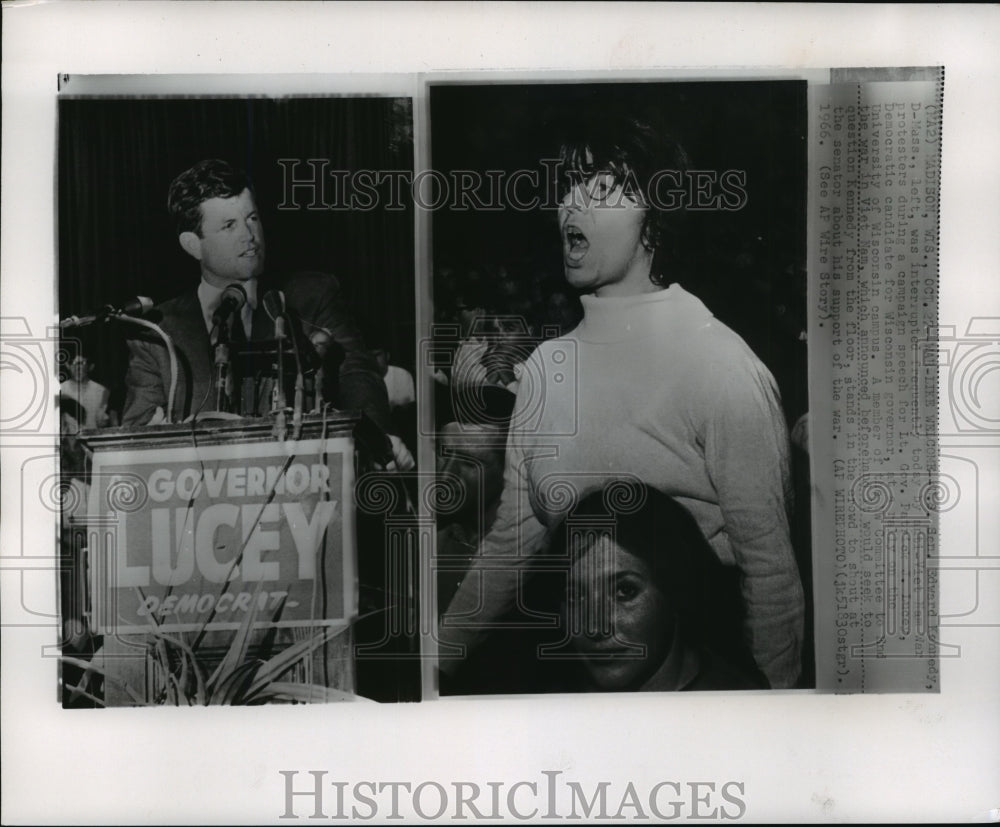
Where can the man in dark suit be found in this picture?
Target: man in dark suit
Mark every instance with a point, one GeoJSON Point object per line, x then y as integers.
{"type": "Point", "coordinates": [219, 226]}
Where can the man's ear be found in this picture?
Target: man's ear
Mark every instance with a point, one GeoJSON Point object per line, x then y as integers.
{"type": "Point", "coordinates": [191, 243]}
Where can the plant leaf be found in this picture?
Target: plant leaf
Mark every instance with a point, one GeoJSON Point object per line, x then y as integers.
{"type": "Point", "coordinates": [284, 660]}
{"type": "Point", "coordinates": [82, 693]}
{"type": "Point", "coordinates": [231, 690]}
{"type": "Point", "coordinates": [307, 693]}
{"type": "Point", "coordinates": [100, 670]}
{"type": "Point", "coordinates": [237, 651]}
{"type": "Point", "coordinates": [199, 677]}
{"type": "Point", "coordinates": [80, 690]}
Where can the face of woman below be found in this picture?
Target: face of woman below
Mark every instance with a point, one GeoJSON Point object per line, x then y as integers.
{"type": "Point", "coordinates": [620, 621]}
{"type": "Point", "coordinates": [601, 230]}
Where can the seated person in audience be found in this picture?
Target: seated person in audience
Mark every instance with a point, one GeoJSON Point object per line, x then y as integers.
{"type": "Point", "coordinates": [92, 396]}
{"type": "Point", "coordinates": [470, 463]}
{"type": "Point", "coordinates": [467, 335]}
{"type": "Point", "coordinates": [402, 393]}
{"type": "Point", "coordinates": [510, 345]}
{"type": "Point", "coordinates": [398, 381]}
{"type": "Point", "coordinates": [474, 327]}
{"type": "Point", "coordinates": [470, 479]}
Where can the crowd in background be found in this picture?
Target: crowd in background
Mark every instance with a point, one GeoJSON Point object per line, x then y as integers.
{"type": "Point", "coordinates": [489, 319]}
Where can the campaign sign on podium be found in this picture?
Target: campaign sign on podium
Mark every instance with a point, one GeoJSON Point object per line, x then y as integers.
{"type": "Point", "coordinates": [197, 537]}
{"type": "Point", "coordinates": [222, 561]}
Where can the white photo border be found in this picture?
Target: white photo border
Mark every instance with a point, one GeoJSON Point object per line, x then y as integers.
{"type": "Point", "coordinates": [798, 756]}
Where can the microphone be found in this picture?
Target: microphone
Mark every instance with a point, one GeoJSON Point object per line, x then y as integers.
{"type": "Point", "coordinates": [306, 355]}
{"type": "Point", "coordinates": [233, 299]}
{"type": "Point", "coordinates": [274, 305]}
{"type": "Point", "coordinates": [319, 344]}
{"type": "Point", "coordinates": [137, 306]}
{"type": "Point", "coordinates": [307, 350]}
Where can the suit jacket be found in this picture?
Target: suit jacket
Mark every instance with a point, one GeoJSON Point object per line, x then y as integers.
{"type": "Point", "coordinates": [314, 297]}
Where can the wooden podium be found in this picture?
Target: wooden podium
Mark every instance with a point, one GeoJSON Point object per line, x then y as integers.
{"type": "Point", "coordinates": [222, 562]}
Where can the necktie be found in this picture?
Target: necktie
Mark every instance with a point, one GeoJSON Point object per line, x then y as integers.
{"type": "Point", "coordinates": [238, 324]}
{"type": "Point", "coordinates": [261, 325]}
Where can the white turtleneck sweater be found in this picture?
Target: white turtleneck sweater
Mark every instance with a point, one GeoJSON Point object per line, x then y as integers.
{"type": "Point", "coordinates": [654, 388]}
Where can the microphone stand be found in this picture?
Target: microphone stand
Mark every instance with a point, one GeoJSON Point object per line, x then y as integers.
{"type": "Point", "coordinates": [278, 400]}
{"type": "Point", "coordinates": [300, 382]}
{"type": "Point", "coordinates": [319, 347]}
{"type": "Point", "coordinates": [222, 369]}
{"type": "Point", "coordinates": [318, 390]}
{"type": "Point", "coordinates": [171, 352]}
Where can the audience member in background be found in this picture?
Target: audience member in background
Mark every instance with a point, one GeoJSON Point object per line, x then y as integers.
{"type": "Point", "coordinates": [91, 395]}
{"type": "Point", "coordinates": [402, 398]}
{"type": "Point", "coordinates": [470, 460]}
{"type": "Point", "coordinates": [474, 327]}
{"type": "Point", "coordinates": [562, 311]}
{"type": "Point", "coordinates": [470, 466]}
{"type": "Point", "coordinates": [398, 381]}
{"type": "Point", "coordinates": [509, 345]}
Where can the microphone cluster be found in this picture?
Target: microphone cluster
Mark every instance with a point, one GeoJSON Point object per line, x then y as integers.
{"type": "Point", "coordinates": [309, 352]}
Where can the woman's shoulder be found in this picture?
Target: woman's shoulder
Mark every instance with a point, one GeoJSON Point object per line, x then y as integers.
{"type": "Point", "coordinates": [726, 363]}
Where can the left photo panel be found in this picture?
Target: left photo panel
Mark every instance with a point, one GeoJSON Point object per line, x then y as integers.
{"type": "Point", "coordinates": [236, 396]}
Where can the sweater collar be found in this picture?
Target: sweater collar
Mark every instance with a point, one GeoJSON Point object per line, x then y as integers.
{"type": "Point", "coordinates": [619, 319]}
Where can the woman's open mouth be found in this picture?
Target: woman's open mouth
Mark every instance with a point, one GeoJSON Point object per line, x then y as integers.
{"type": "Point", "coordinates": [575, 245]}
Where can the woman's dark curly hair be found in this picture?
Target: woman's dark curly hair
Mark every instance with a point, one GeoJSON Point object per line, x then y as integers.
{"type": "Point", "coordinates": [662, 533]}
{"type": "Point", "coordinates": [646, 162]}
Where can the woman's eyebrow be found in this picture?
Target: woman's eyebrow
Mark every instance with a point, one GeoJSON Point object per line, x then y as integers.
{"type": "Point", "coordinates": [629, 573]}
{"type": "Point", "coordinates": [615, 574]}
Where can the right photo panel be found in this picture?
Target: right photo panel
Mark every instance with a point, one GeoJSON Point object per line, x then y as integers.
{"type": "Point", "coordinates": [619, 357]}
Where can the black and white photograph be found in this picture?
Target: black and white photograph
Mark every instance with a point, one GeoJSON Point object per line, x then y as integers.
{"type": "Point", "coordinates": [499, 412]}
{"type": "Point", "coordinates": [236, 296]}
{"type": "Point", "coordinates": [620, 309]}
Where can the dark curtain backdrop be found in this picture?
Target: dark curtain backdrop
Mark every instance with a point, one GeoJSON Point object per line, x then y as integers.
{"type": "Point", "coordinates": [117, 158]}
{"type": "Point", "coordinates": [747, 266]}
